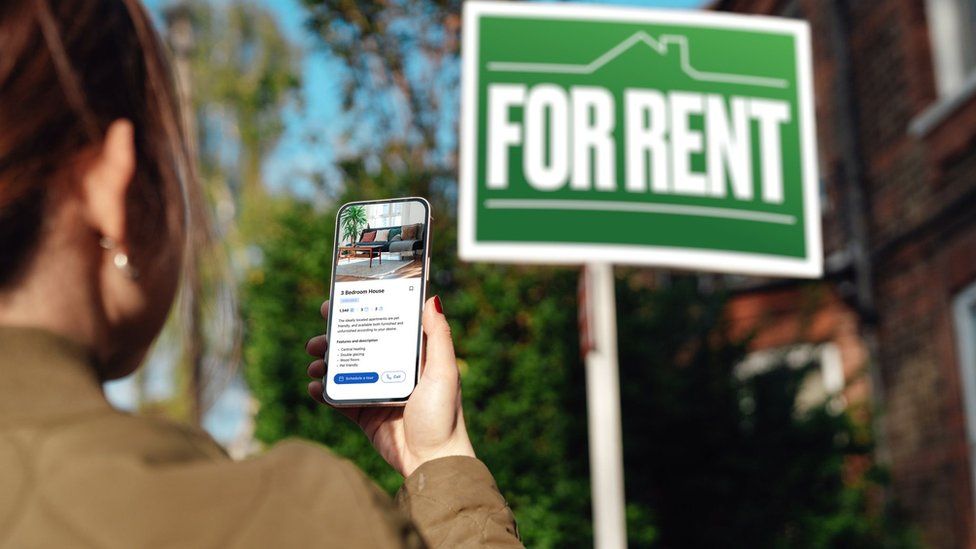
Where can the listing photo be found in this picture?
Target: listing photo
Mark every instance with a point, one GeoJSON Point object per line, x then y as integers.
{"type": "Point", "coordinates": [381, 241]}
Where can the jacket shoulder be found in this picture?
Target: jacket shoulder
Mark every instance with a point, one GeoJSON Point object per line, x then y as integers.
{"type": "Point", "coordinates": [116, 434]}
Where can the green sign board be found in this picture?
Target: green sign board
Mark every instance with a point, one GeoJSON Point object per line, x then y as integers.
{"type": "Point", "coordinates": [632, 136]}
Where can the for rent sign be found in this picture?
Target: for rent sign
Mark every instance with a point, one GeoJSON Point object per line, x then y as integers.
{"type": "Point", "coordinates": [638, 137]}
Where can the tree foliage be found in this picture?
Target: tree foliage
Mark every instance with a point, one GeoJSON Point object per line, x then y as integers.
{"type": "Point", "coordinates": [245, 74]}
{"type": "Point", "coordinates": [401, 82]}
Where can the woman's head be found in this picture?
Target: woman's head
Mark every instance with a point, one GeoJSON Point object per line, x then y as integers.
{"type": "Point", "coordinates": [92, 165]}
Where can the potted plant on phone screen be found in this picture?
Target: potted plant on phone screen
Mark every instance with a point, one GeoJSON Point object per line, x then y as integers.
{"type": "Point", "coordinates": [353, 221]}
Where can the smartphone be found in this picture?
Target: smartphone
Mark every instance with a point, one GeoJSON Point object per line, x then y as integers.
{"type": "Point", "coordinates": [380, 263]}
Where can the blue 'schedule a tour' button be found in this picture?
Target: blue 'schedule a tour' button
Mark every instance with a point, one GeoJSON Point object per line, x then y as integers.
{"type": "Point", "coordinates": [361, 377]}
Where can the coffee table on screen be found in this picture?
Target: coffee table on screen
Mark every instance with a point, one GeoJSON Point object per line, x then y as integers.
{"type": "Point", "coordinates": [349, 252]}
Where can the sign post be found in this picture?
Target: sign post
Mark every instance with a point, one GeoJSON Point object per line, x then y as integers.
{"type": "Point", "coordinates": [598, 136]}
{"type": "Point", "coordinates": [603, 406]}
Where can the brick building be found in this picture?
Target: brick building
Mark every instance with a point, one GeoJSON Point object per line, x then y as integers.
{"type": "Point", "coordinates": [895, 85]}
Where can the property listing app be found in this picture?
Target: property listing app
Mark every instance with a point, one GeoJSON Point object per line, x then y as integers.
{"type": "Point", "coordinates": [374, 338]}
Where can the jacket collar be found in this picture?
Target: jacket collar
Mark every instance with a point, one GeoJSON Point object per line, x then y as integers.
{"type": "Point", "coordinates": [45, 377]}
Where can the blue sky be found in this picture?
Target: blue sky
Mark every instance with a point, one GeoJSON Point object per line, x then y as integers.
{"type": "Point", "coordinates": [319, 115]}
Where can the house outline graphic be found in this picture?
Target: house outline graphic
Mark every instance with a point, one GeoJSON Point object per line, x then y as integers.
{"type": "Point", "coordinates": [661, 46]}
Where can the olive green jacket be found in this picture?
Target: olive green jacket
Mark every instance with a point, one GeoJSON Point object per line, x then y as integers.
{"type": "Point", "coordinates": [74, 472]}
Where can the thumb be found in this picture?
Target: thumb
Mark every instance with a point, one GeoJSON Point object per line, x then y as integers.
{"type": "Point", "coordinates": [440, 362]}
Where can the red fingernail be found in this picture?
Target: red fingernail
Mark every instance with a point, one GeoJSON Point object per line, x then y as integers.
{"type": "Point", "coordinates": [437, 304]}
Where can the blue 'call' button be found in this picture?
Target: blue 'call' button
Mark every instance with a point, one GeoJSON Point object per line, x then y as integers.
{"type": "Point", "coordinates": [361, 377]}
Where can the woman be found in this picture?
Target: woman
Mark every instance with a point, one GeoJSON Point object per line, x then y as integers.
{"type": "Point", "coordinates": [92, 232]}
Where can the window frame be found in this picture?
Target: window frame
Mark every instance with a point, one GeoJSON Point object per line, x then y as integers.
{"type": "Point", "coordinates": [827, 355]}
{"type": "Point", "coordinates": [964, 325]}
{"type": "Point", "coordinates": [955, 83]}
{"type": "Point", "coordinates": [950, 56]}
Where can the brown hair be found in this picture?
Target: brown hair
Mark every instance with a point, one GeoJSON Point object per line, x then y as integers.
{"type": "Point", "coordinates": [68, 69]}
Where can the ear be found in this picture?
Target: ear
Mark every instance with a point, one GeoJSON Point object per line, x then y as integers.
{"type": "Point", "coordinates": [106, 180]}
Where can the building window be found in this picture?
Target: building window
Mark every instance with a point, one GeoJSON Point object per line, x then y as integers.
{"type": "Point", "coordinates": [386, 215]}
{"type": "Point", "coordinates": [964, 319]}
{"type": "Point", "coordinates": [952, 30]}
{"type": "Point", "coordinates": [825, 384]}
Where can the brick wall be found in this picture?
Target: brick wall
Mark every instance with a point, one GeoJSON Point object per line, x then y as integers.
{"type": "Point", "coordinates": [921, 229]}
{"type": "Point", "coordinates": [921, 194]}
{"type": "Point", "coordinates": [924, 409]}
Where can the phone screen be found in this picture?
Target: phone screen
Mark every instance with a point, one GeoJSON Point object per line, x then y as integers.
{"type": "Point", "coordinates": [379, 278]}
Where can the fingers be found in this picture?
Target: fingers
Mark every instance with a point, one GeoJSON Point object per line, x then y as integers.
{"type": "Point", "coordinates": [315, 391]}
{"type": "Point", "coordinates": [317, 346]}
{"type": "Point", "coordinates": [439, 361]}
{"type": "Point", "coordinates": [316, 370]}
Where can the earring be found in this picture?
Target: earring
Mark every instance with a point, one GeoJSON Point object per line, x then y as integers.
{"type": "Point", "coordinates": [120, 259]}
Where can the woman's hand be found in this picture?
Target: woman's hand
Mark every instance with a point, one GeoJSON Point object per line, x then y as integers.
{"type": "Point", "coordinates": [431, 425]}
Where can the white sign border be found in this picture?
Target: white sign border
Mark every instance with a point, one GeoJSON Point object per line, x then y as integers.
{"type": "Point", "coordinates": [681, 258]}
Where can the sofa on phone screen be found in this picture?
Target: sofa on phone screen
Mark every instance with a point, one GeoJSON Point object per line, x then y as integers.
{"type": "Point", "coordinates": [402, 239]}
